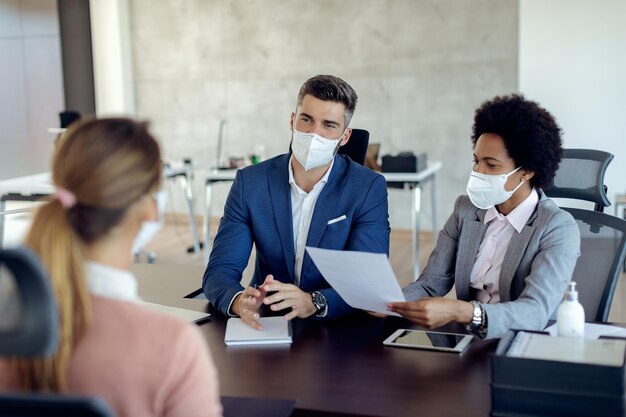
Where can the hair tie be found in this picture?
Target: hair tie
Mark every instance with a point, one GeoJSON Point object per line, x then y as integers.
{"type": "Point", "coordinates": [66, 197]}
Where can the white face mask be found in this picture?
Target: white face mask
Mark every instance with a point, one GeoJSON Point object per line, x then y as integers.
{"type": "Point", "coordinates": [150, 229]}
{"type": "Point", "coordinates": [486, 191]}
{"type": "Point", "coordinates": [313, 150]}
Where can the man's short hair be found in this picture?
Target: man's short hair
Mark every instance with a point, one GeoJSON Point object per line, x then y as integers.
{"type": "Point", "coordinates": [330, 88]}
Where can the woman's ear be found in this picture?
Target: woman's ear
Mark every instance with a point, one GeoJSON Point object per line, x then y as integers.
{"type": "Point", "coordinates": [151, 210]}
{"type": "Point", "coordinates": [144, 209]}
{"type": "Point", "coordinates": [527, 174]}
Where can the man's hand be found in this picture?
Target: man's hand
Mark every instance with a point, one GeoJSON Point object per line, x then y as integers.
{"type": "Point", "coordinates": [246, 306]}
{"type": "Point", "coordinates": [288, 295]}
{"type": "Point", "coordinates": [434, 312]}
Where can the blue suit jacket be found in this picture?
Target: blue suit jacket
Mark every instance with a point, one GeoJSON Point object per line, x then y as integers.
{"type": "Point", "coordinates": [258, 211]}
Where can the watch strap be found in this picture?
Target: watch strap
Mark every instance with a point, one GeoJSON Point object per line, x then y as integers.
{"type": "Point", "coordinates": [478, 325]}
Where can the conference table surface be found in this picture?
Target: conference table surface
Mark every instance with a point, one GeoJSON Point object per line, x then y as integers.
{"type": "Point", "coordinates": [337, 367]}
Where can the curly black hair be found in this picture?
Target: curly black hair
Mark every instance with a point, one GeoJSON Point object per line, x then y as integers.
{"type": "Point", "coordinates": [530, 133]}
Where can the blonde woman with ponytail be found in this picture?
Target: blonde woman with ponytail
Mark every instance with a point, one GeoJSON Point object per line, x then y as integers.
{"type": "Point", "coordinates": [106, 173]}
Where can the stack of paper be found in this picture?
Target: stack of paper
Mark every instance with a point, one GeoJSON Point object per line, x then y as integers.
{"type": "Point", "coordinates": [607, 352]}
{"type": "Point", "coordinates": [276, 330]}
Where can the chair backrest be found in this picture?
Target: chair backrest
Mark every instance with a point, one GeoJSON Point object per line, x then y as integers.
{"type": "Point", "coordinates": [602, 237]}
{"type": "Point", "coordinates": [34, 333]}
{"type": "Point", "coordinates": [581, 176]}
{"type": "Point", "coordinates": [35, 328]}
{"type": "Point", "coordinates": [356, 148]}
{"type": "Point", "coordinates": [602, 249]}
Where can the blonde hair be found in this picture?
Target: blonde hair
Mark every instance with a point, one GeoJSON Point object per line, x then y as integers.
{"type": "Point", "coordinates": [107, 164]}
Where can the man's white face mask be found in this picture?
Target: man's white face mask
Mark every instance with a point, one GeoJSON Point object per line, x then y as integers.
{"type": "Point", "coordinates": [486, 191]}
{"type": "Point", "coordinates": [313, 150]}
{"type": "Point", "coordinates": [150, 229]}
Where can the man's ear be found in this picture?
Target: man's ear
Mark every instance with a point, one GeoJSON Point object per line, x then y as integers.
{"type": "Point", "coordinates": [346, 137]}
{"type": "Point", "coordinates": [291, 120]}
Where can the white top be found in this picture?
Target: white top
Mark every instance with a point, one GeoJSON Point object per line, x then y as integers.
{"type": "Point", "coordinates": [486, 271]}
{"type": "Point", "coordinates": [107, 281]}
{"type": "Point", "coordinates": [302, 207]}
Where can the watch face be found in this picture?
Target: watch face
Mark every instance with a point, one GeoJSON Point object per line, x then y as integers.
{"type": "Point", "coordinates": [319, 300]}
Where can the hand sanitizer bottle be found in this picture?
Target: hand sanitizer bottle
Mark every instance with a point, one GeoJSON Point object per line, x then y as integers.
{"type": "Point", "coordinates": [570, 316]}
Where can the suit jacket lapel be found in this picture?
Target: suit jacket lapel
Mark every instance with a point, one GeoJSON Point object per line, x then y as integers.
{"type": "Point", "coordinates": [472, 234]}
{"type": "Point", "coordinates": [280, 196]}
{"type": "Point", "coordinates": [513, 255]}
{"type": "Point", "coordinates": [326, 202]}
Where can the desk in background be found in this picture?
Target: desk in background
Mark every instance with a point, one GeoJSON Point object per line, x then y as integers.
{"type": "Point", "coordinates": [413, 179]}
{"type": "Point", "coordinates": [34, 187]}
{"type": "Point", "coordinates": [336, 368]}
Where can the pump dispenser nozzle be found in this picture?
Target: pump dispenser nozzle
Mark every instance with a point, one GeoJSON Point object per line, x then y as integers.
{"type": "Point", "coordinates": [571, 294]}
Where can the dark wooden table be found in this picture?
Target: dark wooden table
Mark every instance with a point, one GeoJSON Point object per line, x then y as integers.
{"type": "Point", "coordinates": [338, 368]}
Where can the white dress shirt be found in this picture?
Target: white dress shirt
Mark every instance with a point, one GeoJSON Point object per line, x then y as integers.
{"type": "Point", "coordinates": [302, 207]}
{"type": "Point", "coordinates": [486, 271]}
{"type": "Point", "coordinates": [107, 281]}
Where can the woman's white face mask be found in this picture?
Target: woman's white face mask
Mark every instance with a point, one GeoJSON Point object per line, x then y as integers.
{"type": "Point", "coordinates": [486, 191]}
{"type": "Point", "coordinates": [150, 229]}
{"type": "Point", "coordinates": [313, 150]}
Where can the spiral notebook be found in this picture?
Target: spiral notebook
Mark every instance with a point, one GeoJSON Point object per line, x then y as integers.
{"type": "Point", "coordinates": [276, 330]}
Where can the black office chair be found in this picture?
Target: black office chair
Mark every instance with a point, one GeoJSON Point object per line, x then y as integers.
{"type": "Point", "coordinates": [581, 177]}
{"type": "Point", "coordinates": [602, 237]}
{"type": "Point", "coordinates": [356, 148]}
{"type": "Point", "coordinates": [34, 327]}
{"type": "Point", "coordinates": [67, 117]}
{"type": "Point", "coordinates": [34, 332]}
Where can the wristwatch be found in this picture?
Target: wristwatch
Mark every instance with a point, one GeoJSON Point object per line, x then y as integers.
{"type": "Point", "coordinates": [478, 325]}
{"type": "Point", "coordinates": [319, 301]}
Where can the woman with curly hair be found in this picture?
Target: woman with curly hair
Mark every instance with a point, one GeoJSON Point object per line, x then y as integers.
{"type": "Point", "coordinates": [507, 248]}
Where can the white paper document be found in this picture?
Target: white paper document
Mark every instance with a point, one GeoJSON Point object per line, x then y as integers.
{"type": "Point", "coordinates": [276, 330]}
{"type": "Point", "coordinates": [364, 280]}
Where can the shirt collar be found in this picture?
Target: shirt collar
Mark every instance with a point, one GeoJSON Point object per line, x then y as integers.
{"type": "Point", "coordinates": [519, 216]}
{"type": "Point", "coordinates": [323, 180]}
{"type": "Point", "coordinates": [106, 281]}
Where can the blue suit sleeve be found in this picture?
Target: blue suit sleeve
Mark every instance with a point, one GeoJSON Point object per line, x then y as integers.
{"type": "Point", "coordinates": [231, 250]}
{"type": "Point", "coordinates": [369, 233]}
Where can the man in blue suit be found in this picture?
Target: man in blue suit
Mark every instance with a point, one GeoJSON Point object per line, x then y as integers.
{"type": "Point", "coordinates": [308, 197]}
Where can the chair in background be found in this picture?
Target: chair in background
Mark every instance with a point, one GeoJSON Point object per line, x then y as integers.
{"type": "Point", "coordinates": [356, 148]}
{"type": "Point", "coordinates": [602, 237]}
{"type": "Point", "coordinates": [34, 332]}
{"type": "Point", "coordinates": [581, 177]}
{"type": "Point", "coordinates": [67, 117]}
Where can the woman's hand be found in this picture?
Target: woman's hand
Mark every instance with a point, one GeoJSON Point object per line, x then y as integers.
{"type": "Point", "coordinates": [434, 311]}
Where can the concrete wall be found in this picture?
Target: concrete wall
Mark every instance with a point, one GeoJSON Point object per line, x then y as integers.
{"type": "Point", "coordinates": [31, 85]}
{"type": "Point", "coordinates": [420, 69]}
{"type": "Point", "coordinates": [572, 60]}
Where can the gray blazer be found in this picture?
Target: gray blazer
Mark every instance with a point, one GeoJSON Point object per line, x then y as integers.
{"type": "Point", "coordinates": [537, 265]}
